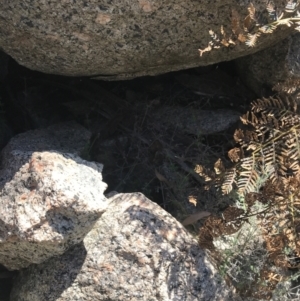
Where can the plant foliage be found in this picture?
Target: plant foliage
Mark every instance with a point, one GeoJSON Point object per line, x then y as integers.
{"type": "Point", "coordinates": [255, 24]}
{"type": "Point", "coordinates": [269, 145]}
{"type": "Point", "coordinates": [266, 176]}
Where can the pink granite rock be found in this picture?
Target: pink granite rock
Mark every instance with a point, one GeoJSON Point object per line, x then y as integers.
{"type": "Point", "coordinates": [49, 199]}
{"type": "Point", "coordinates": [135, 252]}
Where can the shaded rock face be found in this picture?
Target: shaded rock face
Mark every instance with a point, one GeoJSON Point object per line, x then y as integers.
{"type": "Point", "coordinates": [122, 39]}
{"type": "Point", "coordinates": [197, 122]}
{"type": "Point", "coordinates": [136, 251]}
{"type": "Point", "coordinates": [278, 65]}
{"type": "Point", "coordinates": [3, 65]}
{"type": "Point", "coordinates": [68, 137]}
{"type": "Point", "coordinates": [49, 200]}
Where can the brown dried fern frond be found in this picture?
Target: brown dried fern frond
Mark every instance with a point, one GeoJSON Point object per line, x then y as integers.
{"type": "Point", "coordinates": [248, 176]}
{"type": "Point", "coordinates": [229, 181]}
{"type": "Point", "coordinates": [289, 85]}
{"type": "Point", "coordinates": [230, 222]}
{"type": "Point", "coordinates": [274, 104]}
{"type": "Point", "coordinates": [270, 148]}
{"type": "Point", "coordinates": [235, 23]}
{"type": "Point", "coordinates": [232, 214]}
{"type": "Point", "coordinates": [252, 11]}
{"type": "Point", "coordinates": [254, 25]}
{"type": "Point", "coordinates": [281, 222]}
{"type": "Point", "coordinates": [266, 178]}
{"type": "Point", "coordinates": [235, 154]}
{"type": "Point", "coordinates": [268, 28]}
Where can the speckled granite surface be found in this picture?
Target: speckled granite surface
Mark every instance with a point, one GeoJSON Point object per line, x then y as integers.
{"type": "Point", "coordinates": [121, 39]}
{"type": "Point", "coordinates": [135, 252]}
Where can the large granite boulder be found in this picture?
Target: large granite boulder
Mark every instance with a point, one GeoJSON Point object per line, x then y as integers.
{"type": "Point", "coordinates": [135, 252]}
{"type": "Point", "coordinates": [49, 199]}
{"type": "Point", "coordinates": [123, 39]}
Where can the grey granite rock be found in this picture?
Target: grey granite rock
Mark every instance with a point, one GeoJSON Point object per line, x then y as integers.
{"type": "Point", "coordinates": [124, 39]}
{"type": "Point", "coordinates": [49, 199]}
{"type": "Point", "coordinates": [68, 137]}
{"type": "Point", "coordinates": [195, 121]}
{"type": "Point", "coordinates": [135, 252]}
{"type": "Point", "coordinates": [278, 66]}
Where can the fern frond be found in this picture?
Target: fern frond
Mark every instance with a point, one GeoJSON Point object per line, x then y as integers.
{"type": "Point", "coordinates": [255, 24]}
{"type": "Point", "coordinates": [247, 181]}
{"type": "Point", "coordinates": [265, 123]}
{"type": "Point", "coordinates": [245, 138]}
{"type": "Point", "coordinates": [268, 156]}
{"type": "Point", "coordinates": [268, 28]}
{"type": "Point", "coordinates": [290, 149]}
{"type": "Point", "coordinates": [270, 104]}
{"type": "Point", "coordinates": [290, 121]}
{"type": "Point", "coordinates": [248, 176]}
{"type": "Point", "coordinates": [242, 38]}
{"type": "Point", "coordinates": [279, 112]}
{"type": "Point", "coordinates": [249, 118]}
{"type": "Point", "coordinates": [235, 22]}
{"type": "Point", "coordinates": [206, 49]}
{"type": "Point", "coordinates": [235, 154]}
{"type": "Point", "coordinates": [248, 163]}
{"type": "Point", "coordinates": [289, 86]}
{"type": "Point", "coordinates": [251, 10]}
{"type": "Point", "coordinates": [291, 6]}
{"type": "Point", "coordinates": [288, 22]}
{"type": "Point", "coordinates": [252, 39]}
{"type": "Point", "coordinates": [271, 148]}
{"type": "Point", "coordinates": [229, 180]}
{"type": "Point", "coordinates": [214, 36]}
